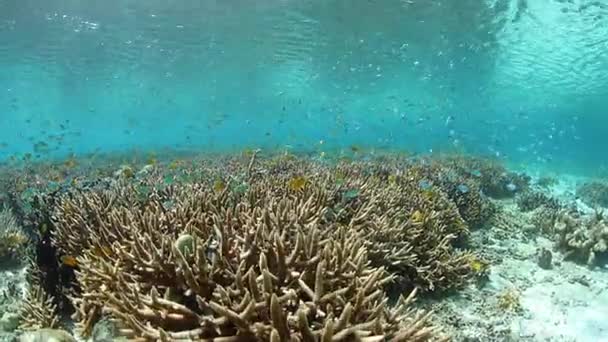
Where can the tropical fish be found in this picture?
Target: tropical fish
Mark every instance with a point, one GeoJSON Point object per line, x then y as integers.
{"type": "Point", "coordinates": [41, 147]}
{"type": "Point", "coordinates": [70, 163]}
{"type": "Point", "coordinates": [351, 194]}
{"type": "Point", "coordinates": [69, 261]}
{"type": "Point", "coordinates": [418, 216]}
{"type": "Point", "coordinates": [297, 183]}
{"type": "Point", "coordinates": [175, 164]}
{"type": "Point", "coordinates": [219, 185]}
{"type": "Point", "coordinates": [101, 250]}
{"type": "Point", "coordinates": [424, 184]}
{"type": "Point", "coordinates": [355, 148]}
{"type": "Point", "coordinates": [478, 266]}
{"type": "Point", "coordinates": [462, 188]}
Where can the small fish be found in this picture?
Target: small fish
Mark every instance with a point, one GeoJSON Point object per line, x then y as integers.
{"type": "Point", "coordinates": [75, 181]}
{"type": "Point", "coordinates": [392, 179]}
{"type": "Point", "coordinates": [219, 185]}
{"type": "Point", "coordinates": [41, 147]}
{"type": "Point", "coordinates": [101, 251]}
{"type": "Point", "coordinates": [477, 265]}
{"type": "Point", "coordinates": [43, 229]}
{"type": "Point", "coordinates": [424, 184]}
{"type": "Point", "coordinates": [70, 163]}
{"type": "Point", "coordinates": [462, 188]}
{"type": "Point", "coordinates": [297, 183]}
{"type": "Point", "coordinates": [174, 164]}
{"type": "Point", "coordinates": [418, 216]}
{"type": "Point", "coordinates": [69, 261]}
{"type": "Point", "coordinates": [511, 187]}
{"type": "Point", "coordinates": [351, 194]}
{"type": "Point", "coordinates": [449, 120]}
{"type": "Point", "coordinates": [476, 173]}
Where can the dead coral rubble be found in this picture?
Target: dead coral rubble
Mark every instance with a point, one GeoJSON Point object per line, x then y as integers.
{"type": "Point", "coordinates": [193, 263]}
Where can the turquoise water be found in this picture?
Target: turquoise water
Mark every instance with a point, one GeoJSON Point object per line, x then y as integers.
{"type": "Point", "coordinates": [523, 80]}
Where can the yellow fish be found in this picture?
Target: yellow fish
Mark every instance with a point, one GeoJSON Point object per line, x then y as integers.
{"type": "Point", "coordinates": [174, 164]}
{"type": "Point", "coordinates": [219, 185]}
{"type": "Point", "coordinates": [69, 261]}
{"type": "Point", "coordinates": [297, 183]}
{"type": "Point", "coordinates": [70, 163]}
{"type": "Point", "coordinates": [418, 216]}
{"type": "Point", "coordinates": [392, 179]}
{"type": "Point", "coordinates": [101, 251]}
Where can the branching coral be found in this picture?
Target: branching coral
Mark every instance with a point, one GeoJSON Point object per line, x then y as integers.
{"type": "Point", "coordinates": [459, 186]}
{"type": "Point", "coordinates": [13, 240]}
{"type": "Point", "coordinates": [38, 310]}
{"type": "Point", "coordinates": [213, 265]}
{"type": "Point", "coordinates": [494, 179]}
{"type": "Point", "coordinates": [530, 200]}
{"type": "Point", "coordinates": [409, 231]}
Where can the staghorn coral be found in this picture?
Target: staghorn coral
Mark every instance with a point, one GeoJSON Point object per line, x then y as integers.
{"type": "Point", "coordinates": [409, 231]}
{"type": "Point", "coordinates": [261, 266]}
{"type": "Point", "coordinates": [13, 240]}
{"type": "Point", "coordinates": [38, 310]}
{"type": "Point", "coordinates": [458, 186]}
{"type": "Point", "coordinates": [530, 200]}
{"type": "Point", "coordinates": [544, 219]}
{"type": "Point", "coordinates": [493, 178]}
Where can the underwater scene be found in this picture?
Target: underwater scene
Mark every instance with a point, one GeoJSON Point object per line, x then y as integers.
{"type": "Point", "coordinates": [304, 170]}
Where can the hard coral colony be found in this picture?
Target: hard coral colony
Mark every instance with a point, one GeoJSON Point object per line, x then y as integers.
{"type": "Point", "coordinates": [286, 249]}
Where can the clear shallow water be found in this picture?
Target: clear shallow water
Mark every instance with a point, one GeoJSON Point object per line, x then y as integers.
{"type": "Point", "coordinates": [523, 80]}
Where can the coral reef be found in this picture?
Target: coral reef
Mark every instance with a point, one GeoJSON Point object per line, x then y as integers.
{"type": "Point", "coordinates": [582, 238]}
{"type": "Point", "coordinates": [217, 265]}
{"type": "Point", "coordinates": [594, 193]}
{"type": "Point", "coordinates": [247, 247]}
{"type": "Point", "coordinates": [463, 190]}
{"type": "Point", "coordinates": [493, 178]}
{"type": "Point", "coordinates": [13, 240]}
{"type": "Point", "coordinates": [530, 200]}
{"type": "Point", "coordinates": [546, 182]}
{"type": "Point", "coordinates": [38, 311]}
{"type": "Point", "coordinates": [409, 231]}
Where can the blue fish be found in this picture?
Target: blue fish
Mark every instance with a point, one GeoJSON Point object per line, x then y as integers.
{"type": "Point", "coordinates": [424, 184]}
{"type": "Point", "coordinates": [462, 188]}
{"type": "Point", "coordinates": [476, 173]}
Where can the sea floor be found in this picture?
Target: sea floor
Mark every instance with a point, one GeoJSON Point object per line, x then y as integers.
{"type": "Point", "coordinates": [518, 300]}
{"type": "Point", "coordinates": [567, 302]}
